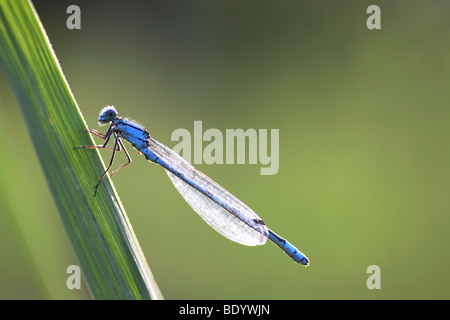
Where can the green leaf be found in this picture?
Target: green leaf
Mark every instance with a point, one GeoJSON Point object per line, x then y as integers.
{"type": "Point", "coordinates": [100, 233]}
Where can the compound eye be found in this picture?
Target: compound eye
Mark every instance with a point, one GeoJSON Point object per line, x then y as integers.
{"type": "Point", "coordinates": [108, 114]}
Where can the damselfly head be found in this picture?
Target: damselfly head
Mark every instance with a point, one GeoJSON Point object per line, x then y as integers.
{"type": "Point", "coordinates": [107, 114]}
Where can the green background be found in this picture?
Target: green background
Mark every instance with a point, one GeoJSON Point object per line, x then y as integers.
{"type": "Point", "coordinates": [364, 123]}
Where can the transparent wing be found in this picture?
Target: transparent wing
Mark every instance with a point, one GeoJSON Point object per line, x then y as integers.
{"type": "Point", "coordinates": [237, 222]}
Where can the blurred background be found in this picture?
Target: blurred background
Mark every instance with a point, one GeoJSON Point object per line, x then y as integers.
{"type": "Point", "coordinates": [364, 156]}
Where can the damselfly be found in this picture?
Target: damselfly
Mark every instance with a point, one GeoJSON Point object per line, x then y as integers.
{"type": "Point", "coordinates": [220, 209]}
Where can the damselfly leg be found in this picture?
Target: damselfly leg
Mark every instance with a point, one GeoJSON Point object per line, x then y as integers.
{"type": "Point", "coordinates": [118, 145]}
